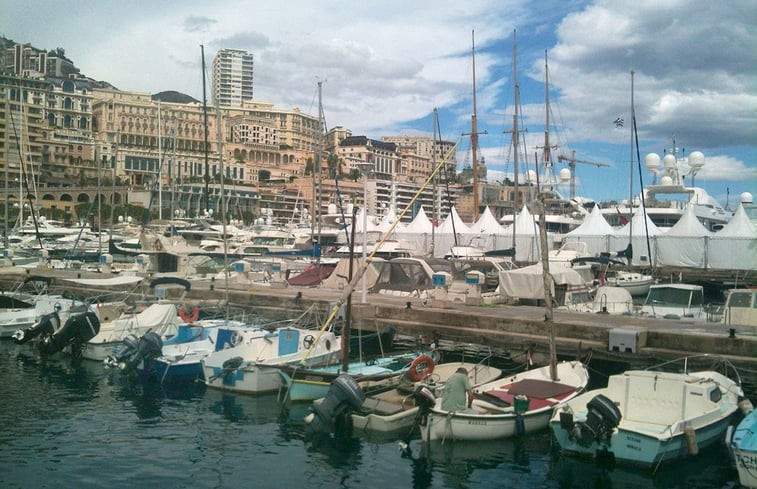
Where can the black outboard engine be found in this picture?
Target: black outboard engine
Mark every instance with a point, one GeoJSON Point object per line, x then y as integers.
{"type": "Point", "coordinates": [46, 326]}
{"type": "Point", "coordinates": [150, 346]}
{"type": "Point", "coordinates": [79, 329]}
{"type": "Point", "coordinates": [334, 410]}
{"type": "Point", "coordinates": [128, 347]}
{"type": "Point", "coordinates": [602, 418]}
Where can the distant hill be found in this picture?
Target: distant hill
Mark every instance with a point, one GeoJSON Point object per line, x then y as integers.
{"type": "Point", "coordinates": [173, 96]}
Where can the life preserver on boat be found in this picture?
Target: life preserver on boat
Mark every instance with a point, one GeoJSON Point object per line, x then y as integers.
{"type": "Point", "coordinates": [185, 316]}
{"type": "Point", "coordinates": [422, 367]}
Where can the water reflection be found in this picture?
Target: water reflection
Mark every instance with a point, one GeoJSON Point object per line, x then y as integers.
{"type": "Point", "coordinates": [694, 472]}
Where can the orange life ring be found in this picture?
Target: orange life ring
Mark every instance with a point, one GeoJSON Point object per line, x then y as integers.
{"type": "Point", "coordinates": [184, 314]}
{"type": "Point", "coordinates": [422, 367]}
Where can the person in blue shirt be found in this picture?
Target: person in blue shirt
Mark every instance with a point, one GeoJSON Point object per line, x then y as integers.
{"type": "Point", "coordinates": [458, 395]}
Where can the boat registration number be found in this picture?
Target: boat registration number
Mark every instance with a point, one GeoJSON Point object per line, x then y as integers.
{"type": "Point", "coordinates": [477, 422]}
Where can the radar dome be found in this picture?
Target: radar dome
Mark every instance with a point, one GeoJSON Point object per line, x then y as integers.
{"type": "Point", "coordinates": [531, 176]}
{"type": "Point", "coordinates": [666, 180]}
{"type": "Point", "coordinates": [746, 198]}
{"type": "Point", "coordinates": [696, 160]}
{"type": "Point", "coordinates": [669, 161]}
{"type": "Point", "coordinates": [652, 161]}
{"type": "Point", "coordinates": [564, 174]}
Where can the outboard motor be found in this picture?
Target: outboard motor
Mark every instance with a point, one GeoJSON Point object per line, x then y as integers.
{"type": "Point", "coordinates": [46, 326]}
{"type": "Point", "coordinates": [149, 346]}
{"type": "Point", "coordinates": [128, 347]}
{"type": "Point", "coordinates": [79, 329]}
{"type": "Point", "coordinates": [334, 410]}
{"type": "Point", "coordinates": [602, 417]}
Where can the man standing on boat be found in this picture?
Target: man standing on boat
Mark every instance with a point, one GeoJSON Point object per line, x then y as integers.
{"type": "Point", "coordinates": [458, 395]}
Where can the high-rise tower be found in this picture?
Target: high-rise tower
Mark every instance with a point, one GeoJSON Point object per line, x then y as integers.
{"type": "Point", "coordinates": [232, 77]}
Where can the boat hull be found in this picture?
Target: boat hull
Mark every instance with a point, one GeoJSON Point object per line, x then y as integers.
{"type": "Point", "coordinates": [743, 446]}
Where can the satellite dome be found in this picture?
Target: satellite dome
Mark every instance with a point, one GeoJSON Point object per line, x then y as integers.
{"type": "Point", "coordinates": [666, 180]}
{"type": "Point", "coordinates": [746, 198]}
{"type": "Point", "coordinates": [652, 161]}
{"type": "Point", "coordinates": [669, 161]}
{"type": "Point", "coordinates": [696, 160]}
{"type": "Point", "coordinates": [530, 176]}
{"type": "Point", "coordinates": [564, 174]}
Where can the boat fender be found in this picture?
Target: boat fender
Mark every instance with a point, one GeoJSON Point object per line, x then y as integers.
{"type": "Point", "coordinates": [745, 406]}
{"type": "Point", "coordinates": [185, 315]}
{"type": "Point", "coordinates": [691, 439]}
{"type": "Point", "coordinates": [422, 367]}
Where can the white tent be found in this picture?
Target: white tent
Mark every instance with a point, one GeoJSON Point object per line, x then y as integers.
{"type": "Point", "coordinates": [526, 237]}
{"type": "Point", "coordinates": [487, 224]}
{"type": "Point", "coordinates": [685, 244]}
{"type": "Point", "coordinates": [418, 233]}
{"type": "Point", "coordinates": [639, 238]}
{"type": "Point", "coordinates": [734, 246]}
{"type": "Point", "coordinates": [460, 227]}
{"type": "Point", "coordinates": [595, 231]}
{"type": "Point", "coordinates": [444, 238]}
{"type": "Point", "coordinates": [370, 222]}
{"type": "Point", "coordinates": [388, 220]}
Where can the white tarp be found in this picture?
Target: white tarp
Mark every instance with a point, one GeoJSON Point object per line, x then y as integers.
{"type": "Point", "coordinates": [528, 283]}
{"type": "Point", "coordinates": [338, 278]}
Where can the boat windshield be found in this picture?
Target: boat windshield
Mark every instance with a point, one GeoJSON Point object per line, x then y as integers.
{"type": "Point", "coordinates": [672, 296]}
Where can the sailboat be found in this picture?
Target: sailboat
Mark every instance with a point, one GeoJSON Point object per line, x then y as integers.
{"type": "Point", "coordinates": [514, 405]}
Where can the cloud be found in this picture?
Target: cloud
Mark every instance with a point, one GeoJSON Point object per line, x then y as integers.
{"type": "Point", "coordinates": [195, 23]}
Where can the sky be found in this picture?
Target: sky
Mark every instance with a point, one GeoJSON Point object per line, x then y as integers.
{"type": "Point", "coordinates": [386, 65]}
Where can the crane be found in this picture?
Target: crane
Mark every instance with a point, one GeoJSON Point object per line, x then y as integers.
{"type": "Point", "coordinates": [572, 165]}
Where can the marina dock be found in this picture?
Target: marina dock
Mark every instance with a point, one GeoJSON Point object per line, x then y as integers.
{"type": "Point", "coordinates": [515, 329]}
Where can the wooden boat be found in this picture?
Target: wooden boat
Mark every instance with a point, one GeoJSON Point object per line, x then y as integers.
{"type": "Point", "coordinates": [309, 384]}
{"type": "Point", "coordinates": [395, 409]}
{"type": "Point", "coordinates": [515, 405]}
{"type": "Point", "coordinates": [647, 417]}
{"type": "Point", "coordinates": [743, 446]}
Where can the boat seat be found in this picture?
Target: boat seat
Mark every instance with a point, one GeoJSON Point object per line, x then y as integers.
{"type": "Point", "coordinates": [382, 408]}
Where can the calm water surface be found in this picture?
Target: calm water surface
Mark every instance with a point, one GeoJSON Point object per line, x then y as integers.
{"type": "Point", "coordinates": [82, 426]}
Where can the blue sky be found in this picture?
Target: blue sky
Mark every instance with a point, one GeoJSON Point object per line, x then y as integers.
{"type": "Point", "coordinates": [387, 64]}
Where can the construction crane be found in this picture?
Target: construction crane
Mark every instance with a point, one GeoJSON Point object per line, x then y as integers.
{"type": "Point", "coordinates": [572, 165]}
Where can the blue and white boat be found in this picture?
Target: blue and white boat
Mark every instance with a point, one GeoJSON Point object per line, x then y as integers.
{"type": "Point", "coordinates": [644, 417]}
{"type": "Point", "coordinates": [309, 384]}
{"type": "Point", "coordinates": [250, 364]}
{"type": "Point", "coordinates": [743, 446]}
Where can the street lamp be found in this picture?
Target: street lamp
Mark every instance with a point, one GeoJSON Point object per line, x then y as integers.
{"type": "Point", "coordinates": [365, 168]}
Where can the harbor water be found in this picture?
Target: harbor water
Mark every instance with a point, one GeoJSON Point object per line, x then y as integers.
{"type": "Point", "coordinates": [79, 425]}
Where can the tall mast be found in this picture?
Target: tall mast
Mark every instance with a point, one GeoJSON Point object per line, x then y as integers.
{"type": "Point", "coordinates": [516, 136]}
{"type": "Point", "coordinates": [630, 166]}
{"type": "Point", "coordinates": [5, 165]}
{"type": "Point", "coordinates": [205, 123]}
{"type": "Point", "coordinates": [474, 134]}
{"type": "Point", "coordinates": [547, 158]}
{"type": "Point", "coordinates": [160, 169]}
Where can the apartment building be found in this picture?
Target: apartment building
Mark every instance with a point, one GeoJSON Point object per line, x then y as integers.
{"type": "Point", "coordinates": [232, 77]}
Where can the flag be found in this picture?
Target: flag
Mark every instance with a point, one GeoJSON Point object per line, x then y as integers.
{"type": "Point", "coordinates": [618, 122]}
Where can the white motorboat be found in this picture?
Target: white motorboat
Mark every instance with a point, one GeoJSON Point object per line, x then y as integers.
{"type": "Point", "coordinates": [249, 364]}
{"type": "Point", "coordinates": [637, 284]}
{"type": "Point", "coordinates": [675, 301]}
{"type": "Point", "coordinates": [647, 417]}
{"type": "Point", "coordinates": [514, 405]}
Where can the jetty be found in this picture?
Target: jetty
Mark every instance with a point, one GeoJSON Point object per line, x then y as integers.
{"type": "Point", "coordinates": [518, 330]}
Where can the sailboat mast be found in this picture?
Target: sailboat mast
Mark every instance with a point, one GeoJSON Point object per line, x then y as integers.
{"type": "Point", "coordinates": [205, 123]}
{"type": "Point", "coordinates": [5, 206]}
{"type": "Point", "coordinates": [630, 175]}
{"type": "Point", "coordinates": [516, 136]}
{"type": "Point", "coordinates": [474, 134]}
{"type": "Point", "coordinates": [160, 169]}
{"type": "Point", "coordinates": [547, 157]}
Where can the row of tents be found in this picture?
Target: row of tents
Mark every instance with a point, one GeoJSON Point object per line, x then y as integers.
{"type": "Point", "coordinates": [687, 244]}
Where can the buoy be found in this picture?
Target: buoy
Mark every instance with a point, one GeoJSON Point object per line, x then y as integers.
{"type": "Point", "coordinates": [422, 367]}
{"type": "Point", "coordinates": [691, 439]}
{"type": "Point", "coordinates": [745, 406]}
